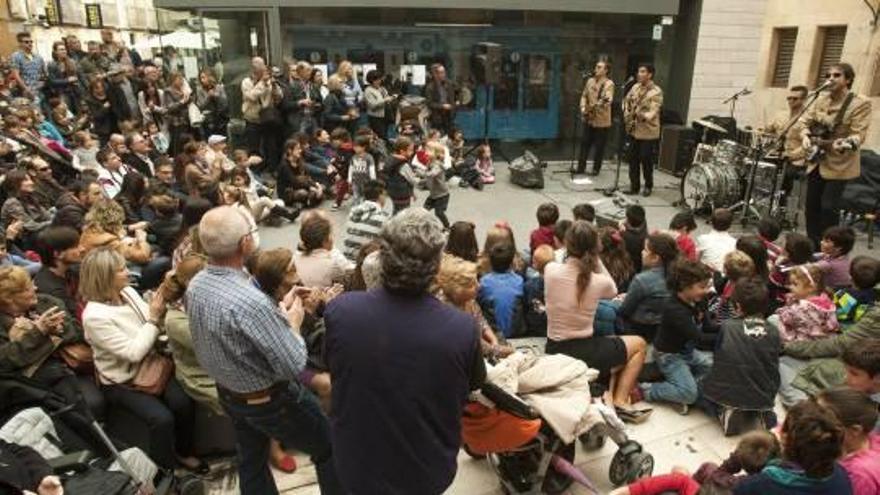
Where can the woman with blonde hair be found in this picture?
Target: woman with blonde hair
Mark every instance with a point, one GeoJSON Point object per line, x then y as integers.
{"type": "Point", "coordinates": [123, 330]}
{"type": "Point", "coordinates": [104, 227]}
{"type": "Point", "coordinates": [336, 112]}
{"type": "Point", "coordinates": [351, 90]}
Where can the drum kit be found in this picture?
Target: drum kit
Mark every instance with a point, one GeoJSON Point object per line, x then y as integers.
{"type": "Point", "coordinates": [738, 174]}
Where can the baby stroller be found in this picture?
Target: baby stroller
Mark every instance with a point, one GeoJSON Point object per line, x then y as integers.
{"type": "Point", "coordinates": [527, 453]}
{"type": "Point", "coordinates": [77, 448]}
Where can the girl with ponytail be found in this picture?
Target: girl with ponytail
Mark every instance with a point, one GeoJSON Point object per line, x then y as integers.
{"type": "Point", "coordinates": [573, 290]}
{"type": "Point", "coordinates": [642, 308]}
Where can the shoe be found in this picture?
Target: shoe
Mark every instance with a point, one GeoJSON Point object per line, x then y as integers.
{"type": "Point", "coordinates": [286, 464]}
{"type": "Point", "coordinates": [646, 192]}
{"type": "Point", "coordinates": [632, 191]}
{"type": "Point", "coordinates": [286, 212]}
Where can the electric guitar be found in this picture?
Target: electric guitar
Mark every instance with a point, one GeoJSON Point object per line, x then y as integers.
{"type": "Point", "coordinates": [822, 138]}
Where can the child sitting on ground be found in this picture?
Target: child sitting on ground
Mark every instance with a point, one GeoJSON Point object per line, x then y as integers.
{"type": "Point", "coordinates": [536, 313]}
{"type": "Point", "coordinates": [681, 329]}
{"type": "Point", "coordinates": [752, 453]}
{"type": "Point", "coordinates": [548, 215]}
{"type": "Point", "coordinates": [484, 164]}
{"type": "Point", "coordinates": [615, 257]}
{"type": "Point", "coordinates": [456, 146]}
{"type": "Point", "coordinates": [797, 250]}
{"type": "Point", "coordinates": [861, 359]}
{"type": "Point", "coordinates": [745, 371]}
{"type": "Point", "coordinates": [834, 262]}
{"type": "Point", "coordinates": [768, 231]}
{"type": "Point", "coordinates": [647, 295]}
{"type": "Point", "coordinates": [559, 232]}
{"type": "Point", "coordinates": [682, 224]}
{"type": "Point", "coordinates": [809, 313]}
{"type": "Point", "coordinates": [501, 292]}
{"type": "Point", "coordinates": [737, 265]}
{"type": "Point", "coordinates": [585, 212]}
{"type": "Point", "coordinates": [635, 231]}
{"type": "Point", "coordinates": [852, 303]}
{"type": "Point", "coordinates": [861, 444]}
{"type": "Point", "coordinates": [712, 247]}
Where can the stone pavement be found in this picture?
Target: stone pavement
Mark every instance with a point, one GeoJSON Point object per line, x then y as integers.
{"type": "Point", "coordinates": [674, 440]}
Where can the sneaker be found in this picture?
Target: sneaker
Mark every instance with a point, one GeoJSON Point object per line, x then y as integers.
{"type": "Point", "coordinates": [646, 192]}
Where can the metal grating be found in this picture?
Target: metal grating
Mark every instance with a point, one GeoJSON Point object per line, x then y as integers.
{"type": "Point", "coordinates": [786, 39]}
{"type": "Point", "coordinates": [833, 38]}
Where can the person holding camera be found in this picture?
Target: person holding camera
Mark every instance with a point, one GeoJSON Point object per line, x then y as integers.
{"type": "Point", "coordinates": [260, 94]}
{"type": "Point", "coordinates": [378, 101]}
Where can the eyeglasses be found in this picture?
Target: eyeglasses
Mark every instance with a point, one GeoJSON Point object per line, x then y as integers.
{"type": "Point", "coordinates": [28, 42]}
{"type": "Point", "coordinates": [43, 169]}
{"type": "Point", "coordinates": [833, 75]}
{"type": "Point", "coordinates": [793, 98]}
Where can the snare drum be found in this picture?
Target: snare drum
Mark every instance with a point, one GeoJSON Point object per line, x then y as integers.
{"type": "Point", "coordinates": [730, 154]}
{"type": "Point", "coordinates": [707, 185]}
{"type": "Point", "coordinates": [704, 153]}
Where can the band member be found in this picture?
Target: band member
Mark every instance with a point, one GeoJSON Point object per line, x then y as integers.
{"type": "Point", "coordinates": [641, 116]}
{"type": "Point", "coordinates": [596, 112]}
{"type": "Point", "coordinates": [793, 153]}
{"type": "Point", "coordinates": [832, 131]}
{"type": "Point", "coordinates": [442, 99]}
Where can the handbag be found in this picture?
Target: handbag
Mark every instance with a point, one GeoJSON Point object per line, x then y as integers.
{"type": "Point", "coordinates": [155, 370]}
{"type": "Point", "coordinates": [78, 357]}
{"type": "Point", "coordinates": [195, 115]}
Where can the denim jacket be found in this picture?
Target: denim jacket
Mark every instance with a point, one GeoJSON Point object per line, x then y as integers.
{"type": "Point", "coordinates": [645, 298]}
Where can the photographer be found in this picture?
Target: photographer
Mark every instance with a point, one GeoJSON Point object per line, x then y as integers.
{"type": "Point", "coordinates": [212, 102]}
{"type": "Point", "coordinates": [260, 94]}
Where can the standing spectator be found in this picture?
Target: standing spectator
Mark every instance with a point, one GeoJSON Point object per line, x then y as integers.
{"type": "Point", "coordinates": [351, 88]}
{"type": "Point", "coordinates": [435, 179]}
{"type": "Point", "coordinates": [63, 77]}
{"type": "Point", "coordinates": [95, 64]}
{"type": "Point", "coordinates": [212, 102]}
{"type": "Point", "coordinates": [361, 169]}
{"type": "Point", "coordinates": [377, 99]}
{"type": "Point", "coordinates": [28, 67]}
{"type": "Point", "coordinates": [152, 102]}
{"type": "Point", "coordinates": [74, 47]}
{"type": "Point", "coordinates": [100, 109]}
{"type": "Point", "coordinates": [399, 175]}
{"type": "Point", "coordinates": [123, 96]}
{"type": "Point", "coordinates": [252, 348]}
{"type": "Point", "coordinates": [258, 92]}
{"type": "Point", "coordinates": [301, 99]}
{"type": "Point", "coordinates": [177, 97]}
{"type": "Point", "coordinates": [336, 113]}
{"type": "Point", "coordinates": [442, 98]}
{"type": "Point", "coordinates": [414, 436]}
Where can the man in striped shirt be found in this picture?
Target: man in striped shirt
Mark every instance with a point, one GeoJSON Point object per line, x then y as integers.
{"type": "Point", "coordinates": [365, 220]}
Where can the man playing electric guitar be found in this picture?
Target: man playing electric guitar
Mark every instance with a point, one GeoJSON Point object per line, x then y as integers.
{"type": "Point", "coordinates": [596, 112]}
{"type": "Point", "coordinates": [833, 130]}
{"type": "Point", "coordinates": [641, 115]}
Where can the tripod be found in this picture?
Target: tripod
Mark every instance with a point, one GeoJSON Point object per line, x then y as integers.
{"type": "Point", "coordinates": [485, 139]}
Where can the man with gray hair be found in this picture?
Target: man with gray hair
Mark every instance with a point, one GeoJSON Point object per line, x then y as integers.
{"type": "Point", "coordinates": [402, 364]}
{"type": "Point", "coordinates": [253, 349]}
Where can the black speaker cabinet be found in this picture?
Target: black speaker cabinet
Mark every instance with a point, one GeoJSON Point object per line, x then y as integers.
{"type": "Point", "coordinates": [677, 146]}
{"type": "Point", "coordinates": [487, 62]}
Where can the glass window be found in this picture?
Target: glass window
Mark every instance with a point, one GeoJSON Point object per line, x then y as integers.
{"type": "Point", "coordinates": [507, 89]}
{"type": "Point", "coordinates": [537, 81]}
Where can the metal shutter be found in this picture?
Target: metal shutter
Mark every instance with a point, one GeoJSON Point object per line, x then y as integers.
{"type": "Point", "coordinates": [785, 41]}
{"type": "Point", "coordinates": [832, 49]}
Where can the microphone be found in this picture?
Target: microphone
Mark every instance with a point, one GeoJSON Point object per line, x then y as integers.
{"type": "Point", "coordinates": [823, 87]}
{"type": "Point", "coordinates": [629, 80]}
{"type": "Point", "coordinates": [746, 91]}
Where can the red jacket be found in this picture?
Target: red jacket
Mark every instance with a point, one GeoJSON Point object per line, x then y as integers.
{"type": "Point", "coordinates": [673, 482]}
{"type": "Point", "coordinates": [541, 235]}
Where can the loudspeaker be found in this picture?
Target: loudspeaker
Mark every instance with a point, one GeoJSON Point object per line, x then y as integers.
{"type": "Point", "coordinates": [677, 146]}
{"type": "Point", "coordinates": [486, 63]}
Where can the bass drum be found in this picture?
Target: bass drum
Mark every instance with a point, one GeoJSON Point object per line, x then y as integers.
{"type": "Point", "coordinates": [708, 186]}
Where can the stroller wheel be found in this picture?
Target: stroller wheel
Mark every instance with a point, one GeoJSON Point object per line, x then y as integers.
{"type": "Point", "coordinates": [554, 481]}
{"type": "Point", "coordinates": [471, 453]}
{"type": "Point", "coordinates": [190, 485]}
{"type": "Point", "coordinates": [629, 464]}
{"type": "Point", "coordinates": [595, 438]}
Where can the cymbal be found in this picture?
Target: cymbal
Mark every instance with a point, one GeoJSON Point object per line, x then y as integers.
{"type": "Point", "coordinates": [711, 125]}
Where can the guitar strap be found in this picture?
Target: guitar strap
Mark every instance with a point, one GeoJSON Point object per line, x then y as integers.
{"type": "Point", "coordinates": [838, 119]}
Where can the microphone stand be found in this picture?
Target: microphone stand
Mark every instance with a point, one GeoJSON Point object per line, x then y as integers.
{"type": "Point", "coordinates": [733, 99]}
{"type": "Point", "coordinates": [622, 140]}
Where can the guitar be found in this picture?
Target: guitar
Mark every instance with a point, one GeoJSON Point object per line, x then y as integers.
{"type": "Point", "coordinates": [822, 139]}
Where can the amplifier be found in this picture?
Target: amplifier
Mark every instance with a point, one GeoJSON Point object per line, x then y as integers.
{"type": "Point", "coordinates": [677, 146]}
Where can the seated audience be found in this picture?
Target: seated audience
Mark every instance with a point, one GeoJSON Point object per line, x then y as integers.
{"type": "Point", "coordinates": [499, 233]}
{"type": "Point", "coordinates": [768, 231]}
{"type": "Point", "coordinates": [643, 305]}
{"type": "Point", "coordinates": [615, 257]}
{"type": "Point", "coordinates": [462, 241]}
{"type": "Point", "coordinates": [712, 247]}
{"type": "Point", "coordinates": [59, 249]}
{"type": "Point", "coordinates": [547, 214]}
{"type": "Point", "coordinates": [501, 292]}
{"type": "Point", "coordinates": [635, 231]}
{"type": "Point", "coordinates": [836, 244]}
{"type": "Point", "coordinates": [318, 263]}
{"type": "Point", "coordinates": [857, 414]}
{"type": "Point", "coordinates": [21, 205]}
{"type": "Point", "coordinates": [366, 219]}
{"type": "Point", "coordinates": [533, 292]}
{"type": "Point", "coordinates": [737, 265]}
{"type": "Point", "coordinates": [559, 232]}
{"type": "Point", "coordinates": [682, 224]}
{"type": "Point", "coordinates": [853, 302]}
{"type": "Point", "coordinates": [585, 212]}
{"type": "Point", "coordinates": [809, 313]}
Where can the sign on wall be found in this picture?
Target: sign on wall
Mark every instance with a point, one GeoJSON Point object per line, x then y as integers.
{"type": "Point", "coordinates": [53, 13]}
{"type": "Point", "coordinates": [93, 16]}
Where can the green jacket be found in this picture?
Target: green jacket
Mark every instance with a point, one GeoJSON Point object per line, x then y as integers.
{"type": "Point", "coordinates": [825, 369]}
{"type": "Point", "coordinates": [25, 355]}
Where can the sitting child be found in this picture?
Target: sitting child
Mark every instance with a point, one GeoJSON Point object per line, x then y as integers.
{"type": "Point", "coordinates": [809, 313]}
{"type": "Point", "coordinates": [861, 444]}
{"type": "Point", "coordinates": [836, 244]}
{"type": "Point", "coordinates": [712, 247]}
{"type": "Point", "coordinates": [484, 164]}
{"type": "Point", "coordinates": [681, 329]}
{"type": "Point", "coordinates": [547, 214]}
{"type": "Point", "coordinates": [752, 453]}
{"type": "Point", "coordinates": [585, 212]}
{"type": "Point", "coordinates": [861, 359]}
{"type": "Point", "coordinates": [643, 304]}
{"type": "Point", "coordinates": [737, 265]}
{"type": "Point", "coordinates": [635, 231]}
{"type": "Point", "coordinates": [536, 313]}
{"type": "Point", "coordinates": [456, 146]}
{"type": "Point", "coordinates": [852, 303]}
{"type": "Point", "coordinates": [501, 292]}
{"type": "Point", "coordinates": [682, 224]}
{"type": "Point", "coordinates": [745, 369]}
{"type": "Point", "coordinates": [768, 231]}
{"type": "Point", "coordinates": [559, 232]}
{"type": "Point", "coordinates": [615, 257]}
{"type": "Point", "coordinates": [797, 250]}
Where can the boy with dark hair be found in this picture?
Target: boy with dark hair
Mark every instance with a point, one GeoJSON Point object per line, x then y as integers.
{"type": "Point", "coordinates": [769, 230]}
{"type": "Point", "coordinates": [862, 362]}
{"type": "Point", "coordinates": [714, 246]}
{"type": "Point", "coordinates": [361, 169]}
{"type": "Point", "coordinates": [58, 247]}
{"type": "Point", "coordinates": [681, 329]}
{"type": "Point", "coordinates": [548, 214]}
{"type": "Point", "coordinates": [745, 371]}
{"type": "Point", "coordinates": [399, 177]}
{"type": "Point", "coordinates": [585, 212]}
{"type": "Point", "coordinates": [853, 302]}
{"type": "Point", "coordinates": [501, 292]}
{"type": "Point", "coordinates": [365, 221]}
{"type": "Point", "coordinates": [165, 228]}
{"type": "Point", "coordinates": [836, 244]}
{"type": "Point", "coordinates": [635, 231]}
{"type": "Point", "coordinates": [342, 144]}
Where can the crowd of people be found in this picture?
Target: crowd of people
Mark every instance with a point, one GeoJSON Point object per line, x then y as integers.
{"type": "Point", "coordinates": [132, 279]}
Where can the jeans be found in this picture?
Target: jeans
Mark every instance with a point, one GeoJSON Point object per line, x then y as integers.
{"type": "Point", "coordinates": [169, 417]}
{"type": "Point", "coordinates": [822, 208]}
{"type": "Point", "coordinates": [294, 418]}
{"type": "Point", "coordinates": [681, 371]}
{"type": "Point", "coordinates": [439, 206]}
{"type": "Point", "coordinates": [592, 135]}
{"type": "Point", "coordinates": [605, 321]}
{"type": "Point", "coordinates": [789, 368]}
{"type": "Point", "coordinates": [641, 159]}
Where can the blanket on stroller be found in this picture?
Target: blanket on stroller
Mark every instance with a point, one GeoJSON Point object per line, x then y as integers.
{"type": "Point", "coordinates": [556, 386]}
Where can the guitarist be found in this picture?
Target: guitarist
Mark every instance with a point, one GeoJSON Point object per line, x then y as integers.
{"type": "Point", "coordinates": [834, 127]}
{"type": "Point", "coordinates": [596, 112]}
{"type": "Point", "coordinates": [641, 116]}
